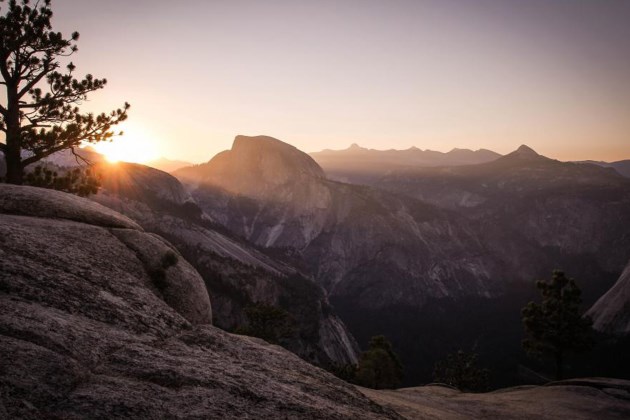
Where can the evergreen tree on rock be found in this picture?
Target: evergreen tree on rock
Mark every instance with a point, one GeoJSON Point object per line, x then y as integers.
{"type": "Point", "coordinates": [555, 326]}
{"type": "Point", "coordinates": [40, 113]}
{"type": "Point", "coordinates": [379, 367]}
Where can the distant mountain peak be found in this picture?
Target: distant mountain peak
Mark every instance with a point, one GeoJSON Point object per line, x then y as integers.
{"type": "Point", "coordinates": [355, 147]}
{"type": "Point", "coordinates": [256, 167]}
{"type": "Point", "coordinates": [241, 141]}
{"type": "Point", "coordinates": [167, 165]}
{"type": "Point", "coordinates": [525, 150]}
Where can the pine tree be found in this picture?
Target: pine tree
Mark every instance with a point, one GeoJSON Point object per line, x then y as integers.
{"type": "Point", "coordinates": [79, 181]}
{"type": "Point", "coordinates": [379, 367]}
{"type": "Point", "coordinates": [41, 115]}
{"type": "Point", "coordinates": [460, 370]}
{"type": "Point", "coordinates": [555, 326]}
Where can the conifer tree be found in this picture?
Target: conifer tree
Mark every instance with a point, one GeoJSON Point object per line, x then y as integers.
{"type": "Point", "coordinates": [460, 369]}
{"type": "Point", "coordinates": [40, 114]}
{"type": "Point", "coordinates": [379, 367]}
{"type": "Point", "coordinates": [79, 181]}
{"type": "Point", "coordinates": [555, 326]}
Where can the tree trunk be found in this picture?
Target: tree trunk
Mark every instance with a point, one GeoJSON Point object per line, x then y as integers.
{"type": "Point", "coordinates": [13, 152]}
{"type": "Point", "coordinates": [14, 164]}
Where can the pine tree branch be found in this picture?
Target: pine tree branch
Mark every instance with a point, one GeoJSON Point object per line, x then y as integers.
{"type": "Point", "coordinates": [34, 81]}
{"type": "Point", "coordinates": [3, 68]}
{"type": "Point", "coordinates": [49, 120]}
{"type": "Point", "coordinates": [41, 155]}
{"type": "Point", "coordinates": [78, 156]}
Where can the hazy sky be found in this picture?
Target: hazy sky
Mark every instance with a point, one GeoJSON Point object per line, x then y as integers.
{"type": "Point", "coordinates": [554, 74]}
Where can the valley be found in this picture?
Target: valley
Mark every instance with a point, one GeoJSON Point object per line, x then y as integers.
{"type": "Point", "coordinates": [437, 258]}
{"type": "Point", "coordinates": [408, 255]}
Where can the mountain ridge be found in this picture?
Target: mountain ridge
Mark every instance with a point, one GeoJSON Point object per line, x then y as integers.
{"type": "Point", "coordinates": [438, 239]}
{"type": "Point", "coordinates": [360, 165]}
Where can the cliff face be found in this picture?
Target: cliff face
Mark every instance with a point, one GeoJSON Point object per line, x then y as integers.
{"type": "Point", "coordinates": [413, 254]}
{"type": "Point", "coordinates": [611, 313]}
{"type": "Point", "coordinates": [361, 243]}
{"type": "Point", "coordinates": [563, 207]}
{"type": "Point", "coordinates": [267, 170]}
{"type": "Point", "coordinates": [235, 273]}
{"type": "Point", "coordinates": [519, 217]}
{"type": "Point", "coordinates": [367, 237]}
{"type": "Point", "coordinates": [89, 330]}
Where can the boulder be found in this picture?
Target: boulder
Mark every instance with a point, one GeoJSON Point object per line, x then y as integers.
{"type": "Point", "coordinates": [40, 202]}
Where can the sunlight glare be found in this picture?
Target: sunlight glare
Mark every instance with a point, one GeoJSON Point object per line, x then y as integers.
{"type": "Point", "coordinates": [134, 145]}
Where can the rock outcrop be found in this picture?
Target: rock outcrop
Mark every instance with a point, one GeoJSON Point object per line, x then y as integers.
{"type": "Point", "coordinates": [40, 225]}
{"type": "Point", "coordinates": [264, 169]}
{"type": "Point", "coordinates": [611, 313]}
{"type": "Point", "coordinates": [142, 183]}
{"type": "Point", "coordinates": [29, 201]}
{"type": "Point", "coordinates": [235, 273]}
{"type": "Point", "coordinates": [577, 399]}
{"type": "Point", "coordinates": [91, 328]}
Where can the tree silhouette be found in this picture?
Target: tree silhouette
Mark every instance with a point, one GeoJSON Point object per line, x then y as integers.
{"type": "Point", "coordinates": [41, 115]}
{"type": "Point", "coordinates": [79, 181]}
{"type": "Point", "coordinates": [379, 367]}
{"type": "Point", "coordinates": [460, 370]}
{"type": "Point", "coordinates": [555, 326]}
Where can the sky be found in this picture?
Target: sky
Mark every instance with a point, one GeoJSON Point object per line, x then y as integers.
{"type": "Point", "coordinates": [435, 74]}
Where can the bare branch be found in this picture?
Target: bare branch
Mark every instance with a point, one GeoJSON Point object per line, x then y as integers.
{"type": "Point", "coordinates": [78, 156]}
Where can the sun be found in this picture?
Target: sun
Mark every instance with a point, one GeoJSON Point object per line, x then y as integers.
{"type": "Point", "coordinates": [133, 146]}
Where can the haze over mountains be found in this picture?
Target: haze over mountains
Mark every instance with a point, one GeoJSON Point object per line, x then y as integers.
{"type": "Point", "coordinates": [444, 250]}
{"type": "Point", "coordinates": [621, 166]}
{"type": "Point", "coordinates": [422, 241]}
{"type": "Point", "coordinates": [357, 164]}
{"type": "Point", "coordinates": [167, 165]}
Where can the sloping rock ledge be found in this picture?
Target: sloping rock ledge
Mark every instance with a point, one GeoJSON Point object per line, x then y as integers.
{"type": "Point", "coordinates": [94, 326]}
{"type": "Point", "coordinates": [576, 399]}
{"type": "Point", "coordinates": [88, 330]}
